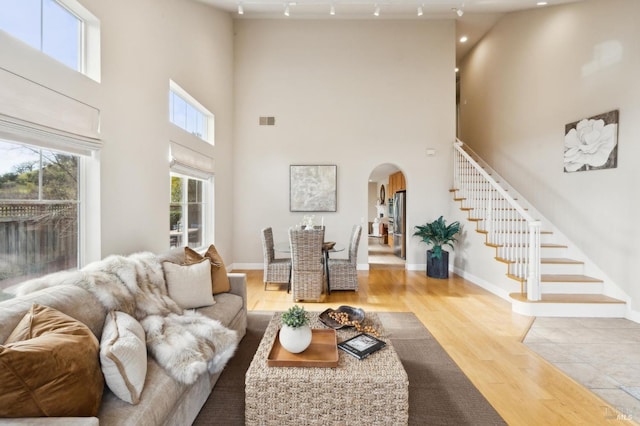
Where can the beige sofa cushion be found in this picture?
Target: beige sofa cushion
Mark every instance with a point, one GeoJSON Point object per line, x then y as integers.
{"type": "Point", "coordinates": [123, 356]}
{"type": "Point", "coordinates": [49, 367]}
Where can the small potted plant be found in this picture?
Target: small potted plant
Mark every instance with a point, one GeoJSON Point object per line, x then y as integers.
{"type": "Point", "coordinates": [295, 333]}
{"type": "Point", "coordinates": [438, 234]}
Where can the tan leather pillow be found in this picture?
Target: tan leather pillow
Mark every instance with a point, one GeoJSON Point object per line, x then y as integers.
{"type": "Point", "coordinates": [219, 278]}
{"type": "Point", "coordinates": [49, 366]}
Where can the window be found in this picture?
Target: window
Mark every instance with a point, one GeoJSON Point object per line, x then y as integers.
{"type": "Point", "coordinates": [187, 113]}
{"type": "Point", "coordinates": [39, 211]}
{"type": "Point", "coordinates": [62, 29]}
{"type": "Point", "coordinates": [187, 211]}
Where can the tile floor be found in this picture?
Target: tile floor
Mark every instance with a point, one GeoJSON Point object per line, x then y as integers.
{"type": "Point", "coordinates": [603, 354]}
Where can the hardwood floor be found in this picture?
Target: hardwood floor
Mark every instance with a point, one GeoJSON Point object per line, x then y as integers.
{"type": "Point", "coordinates": [481, 335]}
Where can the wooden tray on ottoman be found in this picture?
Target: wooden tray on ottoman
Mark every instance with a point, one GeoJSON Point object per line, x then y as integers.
{"type": "Point", "coordinates": [322, 352]}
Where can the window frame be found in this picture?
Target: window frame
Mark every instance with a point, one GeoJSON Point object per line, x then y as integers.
{"type": "Point", "coordinates": [175, 89]}
{"type": "Point", "coordinates": [88, 48]}
{"type": "Point", "coordinates": [87, 172]}
{"type": "Point", "coordinates": [187, 173]}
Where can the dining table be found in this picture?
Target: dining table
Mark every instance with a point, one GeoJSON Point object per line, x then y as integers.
{"type": "Point", "coordinates": [285, 247]}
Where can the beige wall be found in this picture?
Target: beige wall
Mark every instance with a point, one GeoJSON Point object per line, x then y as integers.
{"type": "Point", "coordinates": [352, 93]}
{"type": "Point", "coordinates": [144, 44]}
{"type": "Point", "coordinates": [539, 70]}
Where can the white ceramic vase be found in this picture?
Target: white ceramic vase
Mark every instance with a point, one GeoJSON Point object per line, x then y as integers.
{"type": "Point", "coordinates": [295, 340]}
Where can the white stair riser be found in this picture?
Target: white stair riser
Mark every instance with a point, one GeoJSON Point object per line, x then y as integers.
{"type": "Point", "coordinates": [521, 238]}
{"type": "Point", "coordinates": [599, 310]}
{"type": "Point", "coordinates": [550, 252]}
{"type": "Point", "coordinates": [553, 252]}
{"type": "Point", "coordinates": [554, 269]}
{"type": "Point", "coordinates": [562, 269]}
{"type": "Point", "coordinates": [572, 288]}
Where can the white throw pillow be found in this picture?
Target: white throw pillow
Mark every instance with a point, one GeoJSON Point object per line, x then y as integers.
{"type": "Point", "coordinates": [189, 285]}
{"type": "Point", "coordinates": [123, 356]}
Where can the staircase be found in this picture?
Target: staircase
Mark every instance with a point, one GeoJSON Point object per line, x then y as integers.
{"type": "Point", "coordinates": [539, 263]}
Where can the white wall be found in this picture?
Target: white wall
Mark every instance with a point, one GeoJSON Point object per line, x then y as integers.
{"type": "Point", "coordinates": [539, 70]}
{"type": "Point", "coordinates": [352, 93]}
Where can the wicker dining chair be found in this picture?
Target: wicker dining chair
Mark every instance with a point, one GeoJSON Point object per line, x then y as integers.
{"type": "Point", "coordinates": [343, 272]}
{"type": "Point", "coordinates": [307, 267]}
{"type": "Point", "coordinates": [275, 270]}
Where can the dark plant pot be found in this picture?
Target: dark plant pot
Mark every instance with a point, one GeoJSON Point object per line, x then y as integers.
{"type": "Point", "coordinates": [438, 268]}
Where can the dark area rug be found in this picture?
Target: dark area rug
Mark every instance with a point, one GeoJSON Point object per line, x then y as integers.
{"type": "Point", "coordinates": [439, 392]}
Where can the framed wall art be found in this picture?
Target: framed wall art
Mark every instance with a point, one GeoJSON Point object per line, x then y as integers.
{"type": "Point", "coordinates": [312, 188]}
{"type": "Point", "coordinates": [591, 143]}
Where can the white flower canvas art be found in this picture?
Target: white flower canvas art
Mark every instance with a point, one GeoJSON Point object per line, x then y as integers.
{"type": "Point", "coordinates": [592, 143]}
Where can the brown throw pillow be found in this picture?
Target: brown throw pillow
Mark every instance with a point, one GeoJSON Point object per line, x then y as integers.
{"type": "Point", "coordinates": [49, 366]}
{"type": "Point", "coordinates": [219, 278]}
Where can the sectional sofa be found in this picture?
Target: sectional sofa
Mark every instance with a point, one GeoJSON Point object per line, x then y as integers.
{"type": "Point", "coordinates": [163, 399]}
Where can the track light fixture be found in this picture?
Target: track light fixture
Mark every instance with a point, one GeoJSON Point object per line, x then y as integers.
{"type": "Point", "coordinates": [376, 11]}
{"type": "Point", "coordinates": [240, 9]}
{"type": "Point", "coordinates": [286, 10]}
{"type": "Point", "coordinates": [420, 11]}
{"type": "Point", "coordinates": [459, 12]}
{"type": "Point", "coordinates": [332, 10]}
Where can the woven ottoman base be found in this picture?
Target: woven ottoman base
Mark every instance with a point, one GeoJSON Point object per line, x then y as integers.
{"type": "Point", "coordinates": [374, 390]}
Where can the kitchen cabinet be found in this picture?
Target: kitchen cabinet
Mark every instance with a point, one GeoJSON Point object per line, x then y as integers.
{"type": "Point", "coordinates": [396, 183]}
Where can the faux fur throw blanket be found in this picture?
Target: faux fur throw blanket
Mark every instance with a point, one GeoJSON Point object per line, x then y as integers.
{"type": "Point", "coordinates": [185, 343]}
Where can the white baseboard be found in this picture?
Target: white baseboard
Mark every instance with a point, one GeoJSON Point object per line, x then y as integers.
{"type": "Point", "coordinates": [500, 292]}
{"type": "Point", "coordinates": [245, 266]}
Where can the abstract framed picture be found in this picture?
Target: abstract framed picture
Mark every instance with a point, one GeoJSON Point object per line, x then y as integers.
{"type": "Point", "coordinates": [312, 188]}
{"type": "Point", "coordinates": [592, 143]}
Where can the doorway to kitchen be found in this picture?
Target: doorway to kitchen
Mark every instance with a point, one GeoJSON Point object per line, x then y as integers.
{"type": "Point", "coordinates": [386, 242]}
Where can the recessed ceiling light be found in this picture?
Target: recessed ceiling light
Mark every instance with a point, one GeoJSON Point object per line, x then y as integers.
{"type": "Point", "coordinates": [541, 3]}
{"type": "Point", "coordinates": [457, 69]}
{"type": "Point", "coordinates": [464, 39]}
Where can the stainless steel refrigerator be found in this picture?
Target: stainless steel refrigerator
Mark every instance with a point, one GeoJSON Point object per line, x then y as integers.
{"type": "Point", "coordinates": [400, 224]}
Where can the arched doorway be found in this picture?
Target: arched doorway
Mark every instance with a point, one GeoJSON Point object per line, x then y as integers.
{"type": "Point", "coordinates": [384, 180]}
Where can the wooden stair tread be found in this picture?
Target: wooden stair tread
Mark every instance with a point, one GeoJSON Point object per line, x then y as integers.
{"type": "Point", "coordinates": [552, 278]}
{"type": "Point", "coordinates": [543, 245]}
{"type": "Point", "coordinates": [547, 260]}
{"type": "Point", "coordinates": [483, 231]}
{"type": "Point", "coordinates": [567, 298]}
{"type": "Point", "coordinates": [560, 261]}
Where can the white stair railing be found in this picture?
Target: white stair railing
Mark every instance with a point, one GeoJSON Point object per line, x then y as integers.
{"type": "Point", "coordinates": [509, 227]}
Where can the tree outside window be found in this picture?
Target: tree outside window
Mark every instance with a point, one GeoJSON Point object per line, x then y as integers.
{"type": "Point", "coordinates": [38, 212]}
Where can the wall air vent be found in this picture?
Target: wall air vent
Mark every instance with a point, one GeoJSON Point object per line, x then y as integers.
{"type": "Point", "coordinates": [267, 121]}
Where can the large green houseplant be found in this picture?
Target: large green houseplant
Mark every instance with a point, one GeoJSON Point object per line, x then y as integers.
{"type": "Point", "coordinates": [438, 234]}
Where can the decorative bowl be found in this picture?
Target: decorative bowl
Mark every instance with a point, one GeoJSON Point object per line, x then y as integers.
{"type": "Point", "coordinates": [355, 314]}
{"type": "Point", "coordinates": [328, 245]}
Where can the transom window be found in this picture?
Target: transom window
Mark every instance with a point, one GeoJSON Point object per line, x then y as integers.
{"type": "Point", "coordinates": [62, 29]}
{"type": "Point", "coordinates": [188, 114]}
{"type": "Point", "coordinates": [187, 211]}
{"type": "Point", "coordinates": [39, 204]}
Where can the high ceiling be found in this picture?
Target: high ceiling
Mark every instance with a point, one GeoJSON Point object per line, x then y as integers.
{"type": "Point", "coordinates": [473, 18]}
{"type": "Point", "coordinates": [478, 16]}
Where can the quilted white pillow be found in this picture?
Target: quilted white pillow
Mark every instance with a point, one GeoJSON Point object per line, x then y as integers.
{"type": "Point", "coordinates": [189, 285]}
{"type": "Point", "coordinates": [123, 356]}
